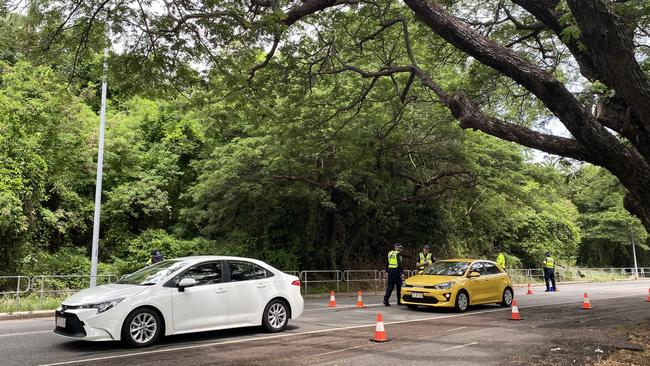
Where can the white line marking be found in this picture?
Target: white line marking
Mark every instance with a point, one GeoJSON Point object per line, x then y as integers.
{"type": "Point", "coordinates": [338, 350]}
{"type": "Point", "coordinates": [453, 329]}
{"type": "Point", "coordinates": [308, 333]}
{"type": "Point", "coordinates": [24, 333]}
{"type": "Point", "coordinates": [341, 307]}
{"type": "Point", "coordinates": [461, 346]}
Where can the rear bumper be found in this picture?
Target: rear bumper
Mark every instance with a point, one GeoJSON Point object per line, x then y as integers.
{"type": "Point", "coordinates": [297, 306]}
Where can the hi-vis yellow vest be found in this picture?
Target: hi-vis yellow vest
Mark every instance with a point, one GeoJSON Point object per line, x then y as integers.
{"type": "Point", "coordinates": [392, 259]}
{"type": "Point", "coordinates": [549, 262]}
{"type": "Point", "coordinates": [501, 260]}
{"type": "Point", "coordinates": [422, 258]}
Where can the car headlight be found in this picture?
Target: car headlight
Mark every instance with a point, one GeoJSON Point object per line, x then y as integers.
{"type": "Point", "coordinates": [444, 286]}
{"type": "Point", "coordinates": [102, 306]}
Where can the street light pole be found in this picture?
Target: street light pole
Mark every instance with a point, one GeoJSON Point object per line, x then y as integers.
{"type": "Point", "coordinates": [636, 270]}
{"type": "Point", "coordinates": [98, 184]}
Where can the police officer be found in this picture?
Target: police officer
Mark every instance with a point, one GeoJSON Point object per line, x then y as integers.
{"type": "Point", "coordinates": [549, 272]}
{"type": "Point", "coordinates": [156, 256]}
{"type": "Point", "coordinates": [501, 259]}
{"type": "Point", "coordinates": [394, 273]}
{"type": "Point", "coordinates": [425, 259]}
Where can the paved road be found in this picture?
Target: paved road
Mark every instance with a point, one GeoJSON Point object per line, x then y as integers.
{"type": "Point", "coordinates": [340, 336]}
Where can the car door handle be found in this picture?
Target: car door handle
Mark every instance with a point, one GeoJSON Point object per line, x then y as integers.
{"type": "Point", "coordinates": [261, 286]}
{"type": "Point", "coordinates": [220, 291]}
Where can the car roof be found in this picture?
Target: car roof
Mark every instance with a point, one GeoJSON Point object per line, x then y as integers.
{"type": "Point", "coordinates": [464, 260]}
{"type": "Point", "coordinates": [203, 258]}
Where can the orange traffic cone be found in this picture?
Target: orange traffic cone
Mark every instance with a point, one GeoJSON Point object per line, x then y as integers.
{"type": "Point", "coordinates": [515, 311]}
{"type": "Point", "coordinates": [332, 300]}
{"type": "Point", "coordinates": [360, 300]}
{"type": "Point", "coordinates": [585, 304]}
{"type": "Point", "coordinates": [648, 299]}
{"type": "Point", "coordinates": [530, 290]}
{"type": "Point", "coordinates": [380, 333]}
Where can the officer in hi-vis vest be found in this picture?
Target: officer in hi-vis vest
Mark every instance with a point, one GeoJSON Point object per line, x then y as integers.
{"type": "Point", "coordinates": [394, 271]}
{"type": "Point", "coordinates": [425, 259]}
{"type": "Point", "coordinates": [501, 258]}
{"type": "Point", "coordinates": [549, 272]}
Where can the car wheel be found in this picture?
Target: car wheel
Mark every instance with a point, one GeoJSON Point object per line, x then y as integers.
{"type": "Point", "coordinates": [141, 328]}
{"type": "Point", "coordinates": [276, 316]}
{"type": "Point", "coordinates": [411, 306]}
{"type": "Point", "coordinates": [462, 301]}
{"type": "Point", "coordinates": [506, 300]}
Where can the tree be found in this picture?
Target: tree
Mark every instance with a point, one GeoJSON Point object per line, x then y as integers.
{"type": "Point", "coordinates": [528, 45]}
{"type": "Point", "coordinates": [45, 163]}
{"type": "Point", "coordinates": [608, 231]}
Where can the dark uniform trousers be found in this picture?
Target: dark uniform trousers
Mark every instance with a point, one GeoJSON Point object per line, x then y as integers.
{"type": "Point", "coordinates": [394, 279]}
{"type": "Point", "coordinates": [549, 278]}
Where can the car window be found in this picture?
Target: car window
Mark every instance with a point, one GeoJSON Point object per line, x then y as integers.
{"type": "Point", "coordinates": [153, 274]}
{"type": "Point", "coordinates": [478, 267]}
{"type": "Point", "coordinates": [447, 268]}
{"type": "Point", "coordinates": [246, 271]}
{"type": "Point", "coordinates": [491, 268]}
{"type": "Point", "coordinates": [205, 274]}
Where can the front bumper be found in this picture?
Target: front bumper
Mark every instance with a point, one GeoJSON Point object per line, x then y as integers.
{"type": "Point", "coordinates": [430, 297]}
{"type": "Point", "coordinates": [87, 325]}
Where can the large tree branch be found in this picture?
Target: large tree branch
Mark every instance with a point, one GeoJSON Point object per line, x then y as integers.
{"type": "Point", "coordinates": [470, 116]}
{"type": "Point", "coordinates": [605, 147]}
{"type": "Point", "coordinates": [610, 39]}
{"type": "Point", "coordinates": [545, 11]}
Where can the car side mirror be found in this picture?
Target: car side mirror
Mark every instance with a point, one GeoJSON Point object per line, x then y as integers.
{"type": "Point", "coordinates": [186, 282]}
{"type": "Point", "coordinates": [474, 274]}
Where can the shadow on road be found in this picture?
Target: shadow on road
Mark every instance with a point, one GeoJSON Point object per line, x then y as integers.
{"type": "Point", "coordinates": [169, 341]}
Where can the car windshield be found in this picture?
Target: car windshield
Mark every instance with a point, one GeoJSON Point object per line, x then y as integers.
{"type": "Point", "coordinates": [153, 274]}
{"type": "Point", "coordinates": [447, 269]}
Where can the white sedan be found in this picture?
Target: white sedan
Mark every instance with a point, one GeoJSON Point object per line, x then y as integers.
{"type": "Point", "coordinates": [183, 295]}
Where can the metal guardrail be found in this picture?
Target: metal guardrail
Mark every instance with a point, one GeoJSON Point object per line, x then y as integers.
{"type": "Point", "coordinates": [47, 284]}
{"type": "Point", "coordinates": [44, 285]}
{"type": "Point", "coordinates": [576, 274]}
{"type": "Point", "coordinates": [362, 276]}
{"type": "Point", "coordinates": [54, 281]}
{"type": "Point", "coordinates": [5, 283]}
{"type": "Point", "coordinates": [321, 276]}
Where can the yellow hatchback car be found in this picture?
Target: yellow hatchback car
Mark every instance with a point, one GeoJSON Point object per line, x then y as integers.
{"type": "Point", "coordinates": [459, 283]}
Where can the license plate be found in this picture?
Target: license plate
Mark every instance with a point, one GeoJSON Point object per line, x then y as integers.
{"type": "Point", "coordinates": [60, 322]}
{"type": "Point", "coordinates": [417, 295]}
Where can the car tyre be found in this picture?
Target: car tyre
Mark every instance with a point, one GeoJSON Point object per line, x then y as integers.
{"type": "Point", "coordinates": [411, 306]}
{"type": "Point", "coordinates": [506, 299]}
{"type": "Point", "coordinates": [275, 316]}
{"type": "Point", "coordinates": [462, 301]}
{"type": "Point", "coordinates": [141, 328]}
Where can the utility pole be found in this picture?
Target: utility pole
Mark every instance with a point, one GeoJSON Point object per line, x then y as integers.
{"type": "Point", "coordinates": [636, 269]}
{"type": "Point", "coordinates": [98, 184]}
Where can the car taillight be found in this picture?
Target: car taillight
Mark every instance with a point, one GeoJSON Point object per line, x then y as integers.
{"type": "Point", "coordinates": [296, 283]}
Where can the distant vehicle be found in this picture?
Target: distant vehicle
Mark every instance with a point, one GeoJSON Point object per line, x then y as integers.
{"type": "Point", "coordinates": [182, 295]}
{"type": "Point", "coordinates": [459, 283]}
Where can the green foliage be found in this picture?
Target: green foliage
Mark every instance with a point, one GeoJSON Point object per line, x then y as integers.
{"type": "Point", "coordinates": [300, 168]}
{"type": "Point", "coordinates": [139, 249]}
{"type": "Point", "coordinates": [608, 229]}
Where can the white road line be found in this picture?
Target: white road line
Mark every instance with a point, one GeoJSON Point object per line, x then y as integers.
{"type": "Point", "coordinates": [338, 350]}
{"type": "Point", "coordinates": [24, 333]}
{"type": "Point", "coordinates": [461, 346]}
{"type": "Point", "coordinates": [320, 331]}
{"type": "Point", "coordinates": [453, 329]}
{"type": "Point", "coordinates": [341, 307]}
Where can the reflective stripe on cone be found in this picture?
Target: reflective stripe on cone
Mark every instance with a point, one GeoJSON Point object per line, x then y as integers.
{"type": "Point", "coordinates": [515, 311]}
{"type": "Point", "coordinates": [380, 332]}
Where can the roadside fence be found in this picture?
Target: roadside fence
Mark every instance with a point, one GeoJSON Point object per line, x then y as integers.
{"type": "Point", "coordinates": [37, 290]}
